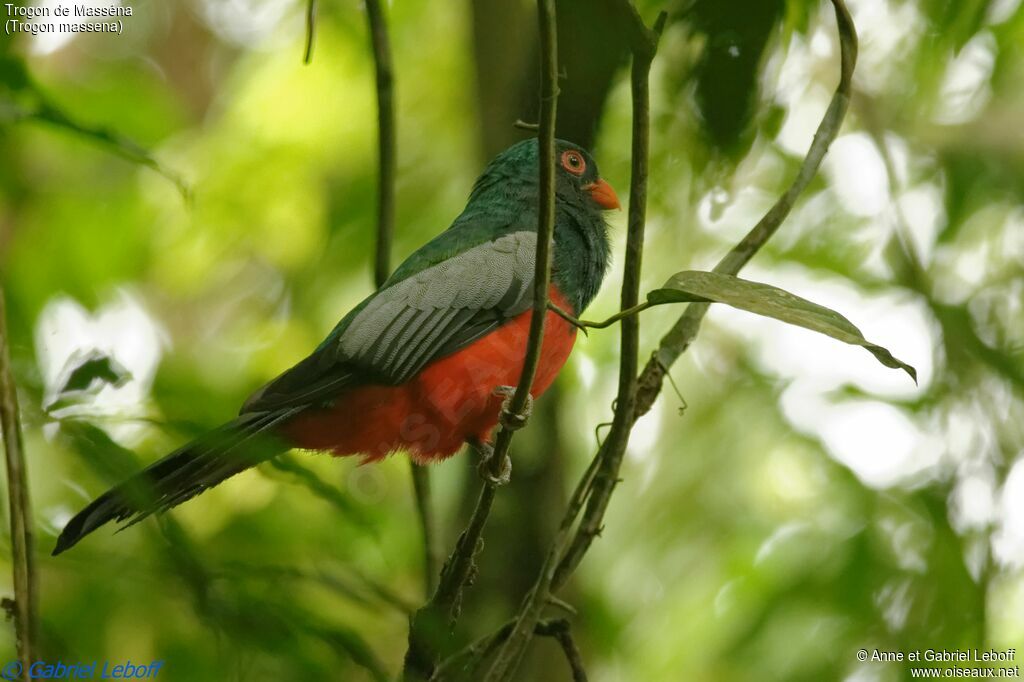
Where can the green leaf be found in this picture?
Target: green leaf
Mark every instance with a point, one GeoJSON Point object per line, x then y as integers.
{"type": "Point", "coordinates": [84, 375]}
{"type": "Point", "coordinates": [49, 113]}
{"type": "Point", "coordinates": [694, 286]}
{"type": "Point", "coordinates": [92, 368]}
{"type": "Point", "coordinates": [21, 99]}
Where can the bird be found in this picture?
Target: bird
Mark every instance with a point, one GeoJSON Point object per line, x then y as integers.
{"type": "Point", "coordinates": [423, 364]}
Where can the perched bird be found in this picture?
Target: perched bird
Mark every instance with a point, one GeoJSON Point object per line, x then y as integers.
{"type": "Point", "coordinates": [420, 365]}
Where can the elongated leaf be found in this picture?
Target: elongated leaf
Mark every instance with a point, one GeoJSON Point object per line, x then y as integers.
{"type": "Point", "coordinates": [694, 286]}
{"type": "Point", "coordinates": [21, 99]}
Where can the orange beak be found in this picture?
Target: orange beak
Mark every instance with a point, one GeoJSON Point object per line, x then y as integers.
{"type": "Point", "coordinates": [603, 194]}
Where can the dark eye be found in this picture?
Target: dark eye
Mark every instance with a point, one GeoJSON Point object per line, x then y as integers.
{"type": "Point", "coordinates": [573, 162]}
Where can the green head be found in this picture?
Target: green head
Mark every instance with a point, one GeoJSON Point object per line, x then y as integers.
{"type": "Point", "coordinates": [514, 173]}
{"type": "Point", "coordinates": [510, 184]}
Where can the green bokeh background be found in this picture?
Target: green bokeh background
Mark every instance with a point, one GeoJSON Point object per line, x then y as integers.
{"type": "Point", "coordinates": [749, 540]}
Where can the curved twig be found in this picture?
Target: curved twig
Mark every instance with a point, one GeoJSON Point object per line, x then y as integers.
{"type": "Point", "coordinates": [685, 330]}
{"type": "Point", "coordinates": [584, 325]}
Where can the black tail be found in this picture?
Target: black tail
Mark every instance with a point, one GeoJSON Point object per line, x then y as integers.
{"type": "Point", "coordinates": [214, 457]}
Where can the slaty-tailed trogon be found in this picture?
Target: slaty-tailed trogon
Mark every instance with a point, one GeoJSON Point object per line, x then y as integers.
{"type": "Point", "coordinates": [416, 365]}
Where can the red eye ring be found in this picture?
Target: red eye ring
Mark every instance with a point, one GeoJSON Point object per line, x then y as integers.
{"type": "Point", "coordinates": [573, 162]}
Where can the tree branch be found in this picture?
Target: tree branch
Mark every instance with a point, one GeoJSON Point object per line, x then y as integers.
{"type": "Point", "coordinates": [25, 606]}
{"type": "Point", "coordinates": [643, 41]}
{"type": "Point", "coordinates": [458, 664]}
{"type": "Point", "coordinates": [466, 661]}
{"type": "Point", "coordinates": [387, 163]}
{"type": "Point", "coordinates": [685, 330]}
{"type": "Point", "coordinates": [612, 450]}
{"type": "Point", "coordinates": [635, 395]}
{"type": "Point", "coordinates": [509, 656]}
{"type": "Point", "coordinates": [430, 625]}
{"type": "Point", "coordinates": [545, 228]}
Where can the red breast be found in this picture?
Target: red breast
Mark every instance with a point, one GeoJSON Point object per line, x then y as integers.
{"type": "Point", "coordinates": [451, 400]}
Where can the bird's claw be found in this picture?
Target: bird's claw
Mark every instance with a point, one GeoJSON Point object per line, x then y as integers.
{"type": "Point", "coordinates": [510, 420]}
{"type": "Point", "coordinates": [504, 474]}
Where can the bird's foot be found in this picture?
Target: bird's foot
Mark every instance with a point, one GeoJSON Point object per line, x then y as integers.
{"type": "Point", "coordinates": [510, 420]}
{"type": "Point", "coordinates": [485, 470]}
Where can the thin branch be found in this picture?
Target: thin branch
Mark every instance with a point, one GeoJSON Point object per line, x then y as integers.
{"type": "Point", "coordinates": [307, 55]}
{"type": "Point", "coordinates": [635, 395]}
{"type": "Point", "coordinates": [430, 625]}
{"type": "Point", "coordinates": [386, 144]}
{"type": "Point", "coordinates": [387, 163]}
{"type": "Point", "coordinates": [683, 333]}
{"type": "Point", "coordinates": [613, 448]}
{"type": "Point", "coordinates": [425, 512]}
{"type": "Point", "coordinates": [559, 630]}
{"type": "Point", "coordinates": [509, 656]}
{"type": "Point", "coordinates": [25, 606]}
{"type": "Point", "coordinates": [562, 604]}
{"type": "Point", "coordinates": [643, 41]}
{"type": "Point", "coordinates": [457, 665]}
{"type": "Point", "coordinates": [584, 325]}
{"type": "Point", "coordinates": [481, 650]}
{"type": "Point", "coordinates": [545, 228]}
{"type": "Point", "coordinates": [597, 485]}
{"type": "Point", "coordinates": [467, 660]}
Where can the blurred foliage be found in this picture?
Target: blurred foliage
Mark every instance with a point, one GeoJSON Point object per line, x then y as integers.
{"type": "Point", "coordinates": [806, 504]}
{"type": "Point", "coordinates": [726, 72]}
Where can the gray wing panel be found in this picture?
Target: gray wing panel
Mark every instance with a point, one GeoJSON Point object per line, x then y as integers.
{"type": "Point", "coordinates": [404, 327]}
{"type": "Point", "coordinates": [442, 308]}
